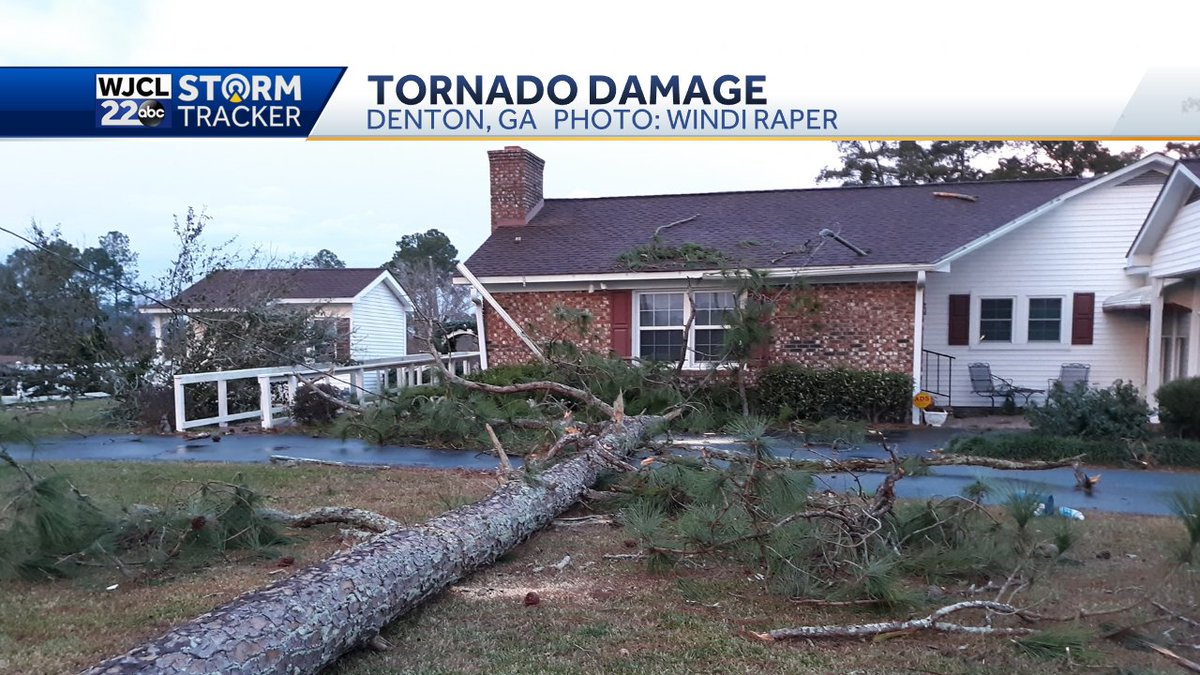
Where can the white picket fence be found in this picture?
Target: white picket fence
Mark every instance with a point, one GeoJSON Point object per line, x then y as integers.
{"type": "Point", "coordinates": [408, 371]}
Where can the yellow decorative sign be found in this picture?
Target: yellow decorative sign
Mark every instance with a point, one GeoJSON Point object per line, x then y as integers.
{"type": "Point", "coordinates": [923, 400]}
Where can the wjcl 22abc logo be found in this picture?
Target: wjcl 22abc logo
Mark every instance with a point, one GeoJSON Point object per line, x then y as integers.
{"type": "Point", "coordinates": [133, 100]}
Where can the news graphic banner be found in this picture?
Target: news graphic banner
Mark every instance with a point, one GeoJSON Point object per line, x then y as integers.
{"type": "Point", "coordinates": [155, 102]}
{"type": "Point", "coordinates": [342, 103]}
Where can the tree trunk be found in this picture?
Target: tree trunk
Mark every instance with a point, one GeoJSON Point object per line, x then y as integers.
{"type": "Point", "coordinates": [305, 622]}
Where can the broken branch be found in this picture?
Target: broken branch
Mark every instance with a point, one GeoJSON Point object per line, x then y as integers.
{"type": "Point", "coordinates": [870, 464]}
{"type": "Point", "coordinates": [935, 622]}
{"type": "Point", "coordinates": [288, 459]}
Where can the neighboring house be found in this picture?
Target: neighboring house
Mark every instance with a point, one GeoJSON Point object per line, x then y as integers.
{"type": "Point", "coordinates": [366, 307]}
{"type": "Point", "coordinates": [1024, 275]}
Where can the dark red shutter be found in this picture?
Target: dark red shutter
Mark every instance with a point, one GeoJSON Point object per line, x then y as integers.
{"type": "Point", "coordinates": [1083, 318]}
{"type": "Point", "coordinates": [960, 320]}
{"type": "Point", "coordinates": [621, 310]}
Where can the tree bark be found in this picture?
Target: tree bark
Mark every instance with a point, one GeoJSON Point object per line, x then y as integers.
{"type": "Point", "coordinates": [303, 623]}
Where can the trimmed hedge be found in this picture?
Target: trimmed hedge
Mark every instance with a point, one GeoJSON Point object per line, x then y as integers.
{"type": "Point", "coordinates": [838, 392]}
{"type": "Point", "coordinates": [1033, 446]}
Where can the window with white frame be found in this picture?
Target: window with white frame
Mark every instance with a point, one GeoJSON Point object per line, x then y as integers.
{"type": "Point", "coordinates": [662, 319]}
{"type": "Point", "coordinates": [1045, 320]}
{"type": "Point", "coordinates": [996, 320]}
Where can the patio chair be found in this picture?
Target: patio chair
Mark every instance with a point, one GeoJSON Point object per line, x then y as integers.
{"type": "Point", "coordinates": [1071, 375]}
{"type": "Point", "coordinates": [984, 383]}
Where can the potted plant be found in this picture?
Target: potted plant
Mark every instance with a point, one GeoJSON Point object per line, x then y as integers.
{"type": "Point", "coordinates": [935, 416]}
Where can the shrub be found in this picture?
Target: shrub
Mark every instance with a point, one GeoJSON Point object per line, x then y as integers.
{"type": "Point", "coordinates": [148, 406]}
{"type": "Point", "coordinates": [1034, 446]}
{"type": "Point", "coordinates": [513, 374]}
{"type": "Point", "coordinates": [1179, 406]}
{"type": "Point", "coordinates": [1116, 412]}
{"type": "Point", "coordinates": [1187, 507]}
{"type": "Point", "coordinates": [312, 408]}
{"type": "Point", "coordinates": [839, 392]}
{"type": "Point", "coordinates": [645, 388]}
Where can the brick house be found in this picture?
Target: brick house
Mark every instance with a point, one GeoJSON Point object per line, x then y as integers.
{"type": "Point", "coordinates": [1024, 275]}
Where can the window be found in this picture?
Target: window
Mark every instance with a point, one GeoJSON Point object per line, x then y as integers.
{"type": "Point", "coordinates": [660, 326]}
{"type": "Point", "coordinates": [663, 318]}
{"type": "Point", "coordinates": [995, 319]}
{"type": "Point", "coordinates": [1045, 319]}
{"type": "Point", "coordinates": [712, 312]}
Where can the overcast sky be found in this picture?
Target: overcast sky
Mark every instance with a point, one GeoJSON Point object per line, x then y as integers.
{"type": "Point", "coordinates": [358, 198]}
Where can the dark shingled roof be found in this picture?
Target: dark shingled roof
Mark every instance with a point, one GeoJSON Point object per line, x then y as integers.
{"type": "Point", "coordinates": [224, 288]}
{"type": "Point", "coordinates": [1193, 165]}
{"type": "Point", "coordinates": [896, 225]}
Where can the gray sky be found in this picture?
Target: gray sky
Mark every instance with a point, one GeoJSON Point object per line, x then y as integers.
{"type": "Point", "coordinates": [358, 198]}
{"type": "Point", "coordinates": [354, 198]}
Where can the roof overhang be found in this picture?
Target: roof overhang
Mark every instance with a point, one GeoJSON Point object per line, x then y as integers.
{"type": "Point", "coordinates": [1179, 185]}
{"type": "Point", "coordinates": [318, 302]}
{"type": "Point", "coordinates": [1139, 299]}
{"type": "Point", "coordinates": [1153, 161]}
{"type": "Point", "coordinates": [777, 273]}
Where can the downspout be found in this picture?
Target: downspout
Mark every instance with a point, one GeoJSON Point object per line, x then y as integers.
{"type": "Point", "coordinates": [918, 345]}
{"type": "Point", "coordinates": [479, 287]}
{"type": "Point", "coordinates": [1154, 348]}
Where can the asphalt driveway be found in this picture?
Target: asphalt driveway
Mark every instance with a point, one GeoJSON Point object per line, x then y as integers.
{"type": "Point", "coordinates": [1120, 490]}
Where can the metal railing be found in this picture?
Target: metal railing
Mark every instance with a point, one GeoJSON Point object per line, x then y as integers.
{"type": "Point", "coordinates": [937, 374]}
{"type": "Point", "coordinates": [277, 386]}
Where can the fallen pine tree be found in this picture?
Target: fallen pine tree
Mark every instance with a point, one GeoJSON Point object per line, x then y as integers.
{"type": "Point", "coordinates": [305, 622]}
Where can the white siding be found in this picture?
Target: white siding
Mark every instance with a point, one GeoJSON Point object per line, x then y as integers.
{"type": "Point", "coordinates": [378, 328]}
{"type": "Point", "coordinates": [1077, 248]}
{"type": "Point", "coordinates": [1178, 251]}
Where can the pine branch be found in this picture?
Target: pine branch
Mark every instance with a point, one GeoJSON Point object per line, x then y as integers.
{"type": "Point", "coordinates": [935, 622]}
{"type": "Point", "coordinates": [360, 518]}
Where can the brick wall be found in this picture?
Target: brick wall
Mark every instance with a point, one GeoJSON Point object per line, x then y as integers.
{"type": "Point", "coordinates": [867, 326]}
{"type": "Point", "coordinates": [535, 313]}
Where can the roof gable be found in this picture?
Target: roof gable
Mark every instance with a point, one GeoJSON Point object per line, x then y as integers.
{"type": "Point", "coordinates": [1178, 190]}
{"type": "Point", "coordinates": [230, 288]}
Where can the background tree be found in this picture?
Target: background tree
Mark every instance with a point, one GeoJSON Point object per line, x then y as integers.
{"type": "Point", "coordinates": [324, 259]}
{"type": "Point", "coordinates": [119, 263]}
{"type": "Point", "coordinates": [1183, 150]}
{"type": "Point", "coordinates": [915, 163]}
{"type": "Point", "coordinates": [908, 162]}
{"type": "Point", "coordinates": [424, 263]}
{"type": "Point", "coordinates": [1054, 159]}
{"type": "Point", "coordinates": [58, 314]}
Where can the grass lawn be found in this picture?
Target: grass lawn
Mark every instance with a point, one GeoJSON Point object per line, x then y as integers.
{"type": "Point", "coordinates": [64, 418]}
{"type": "Point", "coordinates": [597, 615]}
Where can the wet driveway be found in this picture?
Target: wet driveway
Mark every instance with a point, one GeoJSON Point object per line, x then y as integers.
{"type": "Point", "coordinates": [1120, 490]}
{"type": "Point", "coordinates": [246, 448]}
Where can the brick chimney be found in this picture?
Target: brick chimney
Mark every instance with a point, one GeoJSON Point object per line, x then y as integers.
{"type": "Point", "coordinates": [516, 176]}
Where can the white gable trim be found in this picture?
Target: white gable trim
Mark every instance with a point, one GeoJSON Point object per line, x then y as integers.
{"type": "Point", "coordinates": [1153, 161]}
{"type": "Point", "coordinates": [385, 277]}
{"type": "Point", "coordinates": [1179, 185]}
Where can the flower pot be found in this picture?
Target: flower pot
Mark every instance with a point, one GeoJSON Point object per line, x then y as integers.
{"type": "Point", "coordinates": [936, 418]}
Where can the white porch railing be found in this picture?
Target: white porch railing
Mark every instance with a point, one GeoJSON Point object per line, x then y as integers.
{"type": "Point", "coordinates": [408, 371]}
